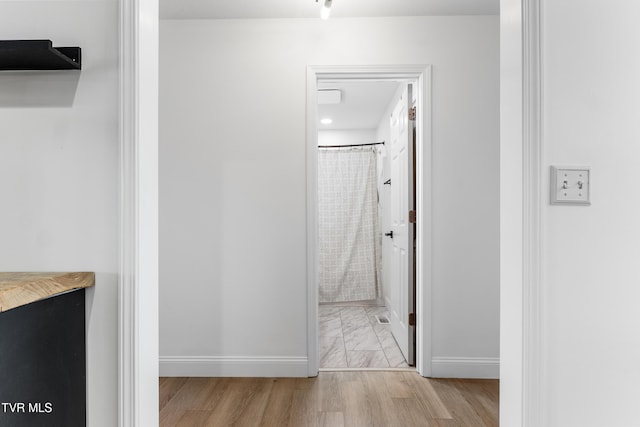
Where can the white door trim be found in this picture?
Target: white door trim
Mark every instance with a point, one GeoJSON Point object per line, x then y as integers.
{"type": "Point", "coordinates": [534, 412]}
{"type": "Point", "coordinates": [522, 342]}
{"type": "Point", "coordinates": [421, 74]}
{"type": "Point", "coordinates": [138, 275]}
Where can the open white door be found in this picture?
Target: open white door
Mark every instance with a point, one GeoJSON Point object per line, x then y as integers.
{"type": "Point", "coordinates": [401, 165]}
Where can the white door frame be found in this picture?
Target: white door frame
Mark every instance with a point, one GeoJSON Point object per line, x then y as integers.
{"type": "Point", "coordinates": [520, 145]}
{"type": "Point", "coordinates": [422, 75]}
{"type": "Point", "coordinates": [138, 358]}
{"type": "Point", "coordinates": [521, 309]}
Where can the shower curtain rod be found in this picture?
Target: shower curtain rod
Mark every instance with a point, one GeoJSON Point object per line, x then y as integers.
{"type": "Point", "coordinates": [351, 145]}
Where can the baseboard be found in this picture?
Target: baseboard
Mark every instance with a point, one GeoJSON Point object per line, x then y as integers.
{"type": "Point", "coordinates": [232, 366]}
{"type": "Point", "coordinates": [237, 366]}
{"type": "Point", "coordinates": [465, 367]}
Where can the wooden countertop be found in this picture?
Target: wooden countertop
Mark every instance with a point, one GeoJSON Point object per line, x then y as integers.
{"type": "Point", "coordinates": [17, 289]}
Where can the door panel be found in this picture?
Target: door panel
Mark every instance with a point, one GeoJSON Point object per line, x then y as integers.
{"type": "Point", "coordinates": [401, 164]}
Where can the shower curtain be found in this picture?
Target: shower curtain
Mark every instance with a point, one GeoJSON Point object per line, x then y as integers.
{"type": "Point", "coordinates": [349, 238]}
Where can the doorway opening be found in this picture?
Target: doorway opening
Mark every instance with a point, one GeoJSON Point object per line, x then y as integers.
{"type": "Point", "coordinates": [368, 296]}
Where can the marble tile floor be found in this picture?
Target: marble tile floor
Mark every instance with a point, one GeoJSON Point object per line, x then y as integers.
{"type": "Point", "coordinates": [351, 337]}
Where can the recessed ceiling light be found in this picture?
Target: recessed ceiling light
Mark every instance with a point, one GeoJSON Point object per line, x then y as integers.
{"type": "Point", "coordinates": [326, 121]}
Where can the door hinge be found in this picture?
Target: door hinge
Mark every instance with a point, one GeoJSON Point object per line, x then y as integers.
{"type": "Point", "coordinates": [412, 113]}
{"type": "Point", "coordinates": [412, 216]}
{"type": "Point", "coordinates": [412, 319]}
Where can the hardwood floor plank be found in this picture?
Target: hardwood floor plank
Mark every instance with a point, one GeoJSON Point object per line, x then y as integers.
{"type": "Point", "coordinates": [305, 406]}
{"type": "Point", "coordinates": [279, 405]}
{"type": "Point", "coordinates": [331, 419]}
{"type": "Point", "coordinates": [256, 402]}
{"type": "Point", "coordinates": [333, 399]}
{"type": "Point", "coordinates": [409, 412]}
{"type": "Point", "coordinates": [168, 388]}
{"type": "Point", "coordinates": [330, 398]}
{"type": "Point", "coordinates": [212, 392]}
{"type": "Point", "coordinates": [482, 395]}
{"type": "Point", "coordinates": [194, 418]}
{"type": "Point", "coordinates": [462, 409]}
{"type": "Point", "coordinates": [381, 396]}
{"type": "Point", "coordinates": [446, 423]}
{"type": "Point", "coordinates": [357, 401]}
{"type": "Point", "coordinates": [427, 396]}
{"type": "Point", "coordinates": [193, 394]}
{"type": "Point", "coordinates": [395, 385]}
{"type": "Point", "coordinates": [243, 402]}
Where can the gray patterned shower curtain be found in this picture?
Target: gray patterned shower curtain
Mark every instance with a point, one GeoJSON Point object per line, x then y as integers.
{"type": "Point", "coordinates": [349, 237]}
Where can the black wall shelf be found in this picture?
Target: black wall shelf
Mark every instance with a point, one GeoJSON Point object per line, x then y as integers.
{"type": "Point", "coordinates": [37, 55]}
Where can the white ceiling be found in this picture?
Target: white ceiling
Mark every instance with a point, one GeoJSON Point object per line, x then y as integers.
{"type": "Point", "coordinates": [239, 9]}
{"type": "Point", "coordinates": [362, 107]}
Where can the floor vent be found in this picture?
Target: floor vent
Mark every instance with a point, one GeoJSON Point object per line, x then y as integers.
{"type": "Point", "coordinates": [382, 319]}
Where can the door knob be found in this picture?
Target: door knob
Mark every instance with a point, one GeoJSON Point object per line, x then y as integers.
{"type": "Point", "coordinates": [390, 234]}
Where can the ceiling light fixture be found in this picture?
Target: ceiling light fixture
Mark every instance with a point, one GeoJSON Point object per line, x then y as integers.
{"type": "Point", "coordinates": [326, 121]}
{"type": "Point", "coordinates": [326, 9]}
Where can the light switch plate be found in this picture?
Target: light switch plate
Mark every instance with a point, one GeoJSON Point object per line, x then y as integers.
{"type": "Point", "coordinates": [570, 185]}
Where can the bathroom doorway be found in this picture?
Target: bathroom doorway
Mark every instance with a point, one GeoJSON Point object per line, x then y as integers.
{"type": "Point", "coordinates": [366, 303]}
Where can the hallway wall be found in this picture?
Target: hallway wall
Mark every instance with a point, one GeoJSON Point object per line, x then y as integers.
{"type": "Point", "coordinates": [233, 185]}
{"type": "Point", "coordinates": [59, 171]}
{"type": "Point", "coordinates": [591, 105]}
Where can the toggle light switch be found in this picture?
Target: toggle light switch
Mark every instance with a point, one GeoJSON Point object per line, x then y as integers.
{"type": "Point", "coordinates": [570, 185]}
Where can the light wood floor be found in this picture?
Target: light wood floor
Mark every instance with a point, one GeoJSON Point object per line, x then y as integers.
{"type": "Point", "coordinates": [362, 398]}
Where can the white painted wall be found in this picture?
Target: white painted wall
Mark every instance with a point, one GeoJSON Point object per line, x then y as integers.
{"type": "Point", "coordinates": [59, 170]}
{"type": "Point", "coordinates": [232, 183]}
{"type": "Point", "coordinates": [346, 136]}
{"type": "Point", "coordinates": [591, 101]}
